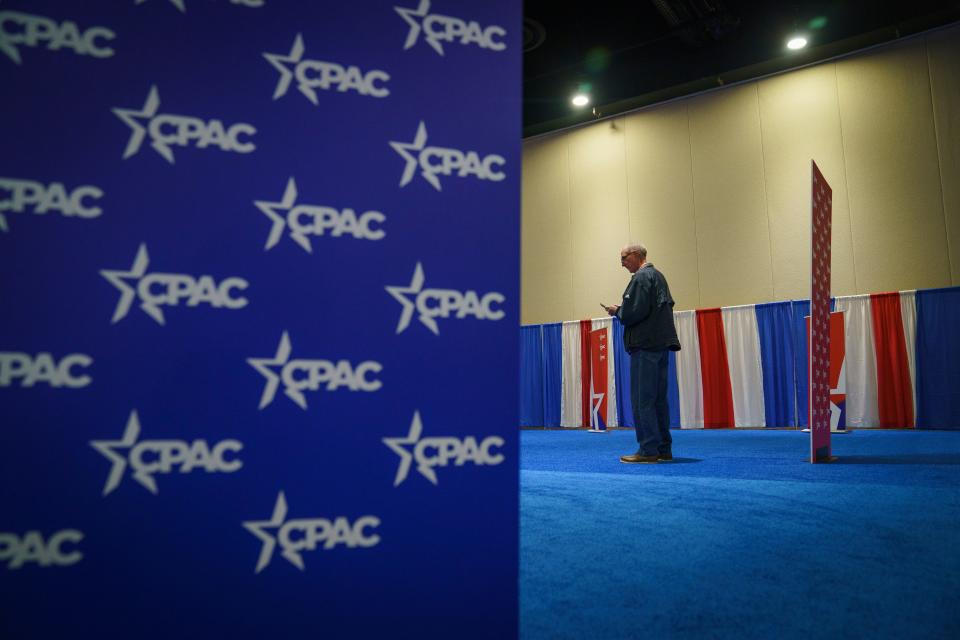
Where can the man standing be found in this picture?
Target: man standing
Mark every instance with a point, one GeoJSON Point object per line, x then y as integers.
{"type": "Point", "coordinates": [648, 334]}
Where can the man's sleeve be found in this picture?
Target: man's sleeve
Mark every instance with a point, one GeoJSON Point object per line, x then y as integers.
{"type": "Point", "coordinates": [636, 302]}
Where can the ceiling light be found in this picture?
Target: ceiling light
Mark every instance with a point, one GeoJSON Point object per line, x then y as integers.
{"type": "Point", "coordinates": [580, 100]}
{"type": "Point", "coordinates": [797, 42]}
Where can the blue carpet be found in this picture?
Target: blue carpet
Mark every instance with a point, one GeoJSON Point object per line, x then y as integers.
{"type": "Point", "coordinates": [740, 537]}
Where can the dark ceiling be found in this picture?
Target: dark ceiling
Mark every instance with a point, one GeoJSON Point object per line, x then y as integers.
{"type": "Point", "coordinates": [631, 54]}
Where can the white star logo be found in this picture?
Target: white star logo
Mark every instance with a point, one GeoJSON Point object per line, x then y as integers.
{"type": "Point", "coordinates": [131, 118]}
{"type": "Point", "coordinates": [270, 209]}
{"type": "Point", "coordinates": [398, 445]}
{"type": "Point", "coordinates": [597, 399]}
{"type": "Point", "coordinates": [256, 527]}
{"type": "Point", "coordinates": [400, 295]}
{"type": "Point", "coordinates": [177, 3]}
{"type": "Point", "coordinates": [8, 48]}
{"type": "Point", "coordinates": [410, 16]}
{"type": "Point", "coordinates": [3, 223]}
{"type": "Point", "coordinates": [116, 278]}
{"type": "Point", "coordinates": [404, 149]}
{"type": "Point", "coordinates": [280, 62]}
{"type": "Point", "coordinates": [265, 367]}
{"type": "Point", "coordinates": [118, 462]}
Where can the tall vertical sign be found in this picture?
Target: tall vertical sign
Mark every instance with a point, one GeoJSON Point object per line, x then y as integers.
{"type": "Point", "coordinates": [599, 366]}
{"type": "Point", "coordinates": [257, 257]}
{"type": "Point", "coordinates": [819, 344]}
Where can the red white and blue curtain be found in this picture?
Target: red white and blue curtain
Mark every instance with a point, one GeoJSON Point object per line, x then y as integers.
{"type": "Point", "coordinates": [746, 366]}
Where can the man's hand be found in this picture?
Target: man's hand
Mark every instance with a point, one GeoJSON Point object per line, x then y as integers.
{"type": "Point", "coordinates": [611, 310]}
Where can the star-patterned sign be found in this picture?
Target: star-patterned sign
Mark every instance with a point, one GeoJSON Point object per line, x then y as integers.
{"type": "Point", "coordinates": [822, 208]}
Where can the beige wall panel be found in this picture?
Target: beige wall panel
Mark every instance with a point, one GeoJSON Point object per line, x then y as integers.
{"type": "Point", "coordinates": [598, 203]}
{"type": "Point", "coordinates": [733, 242]}
{"type": "Point", "coordinates": [546, 284]}
{"type": "Point", "coordinates": [944, 57]}
{"type": "Point", "coordinates": [660, 196]}
{"type": "Point", "coordinates": [893, 176]}
{"type": "Point", "coordinates": [800, 121]}
{"type": "Point", "coordinates": [710, 185]}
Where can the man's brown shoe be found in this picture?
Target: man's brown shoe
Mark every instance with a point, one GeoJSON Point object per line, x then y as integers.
{"type": "Point", "coordinates": [636, 458]}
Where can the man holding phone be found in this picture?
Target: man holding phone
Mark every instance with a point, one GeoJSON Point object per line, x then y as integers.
{"type": "Point", "coordinates": [649, 333]}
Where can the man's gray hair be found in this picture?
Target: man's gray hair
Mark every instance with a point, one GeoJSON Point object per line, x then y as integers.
{"type": "Point", "coordinates": [636, 247]}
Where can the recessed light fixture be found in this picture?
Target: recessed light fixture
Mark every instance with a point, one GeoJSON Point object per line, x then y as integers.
{"type": "Point", "coordinates": [796, 42]}
{"type": "Point", "coordinates": [580, 100]}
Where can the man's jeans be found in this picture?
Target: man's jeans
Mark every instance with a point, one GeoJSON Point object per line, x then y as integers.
{"type": "Point", "coordinates": [648, 395]}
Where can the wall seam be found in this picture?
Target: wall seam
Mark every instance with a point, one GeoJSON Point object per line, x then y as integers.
{"type": "Point", "coordinates": [693, 196]}
{"type": "Point", "coordinates": [626, 179]}
{"type": "Point", "coordinates": [846, 182]}
{"type": "Point", "coordinates": [936, 138]}
{"type": "Point", "coordinates": [573, 291]}
{"type": "Point", "coordinates": [766, 200]}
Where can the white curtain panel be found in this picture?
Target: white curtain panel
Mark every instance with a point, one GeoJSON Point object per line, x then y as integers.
{"type": "Point", "coordinates": [572, 378]}
{"type": "Point", "coordinates": [688, 370]}
{"type": "Point", "coordinates": [742, 336]}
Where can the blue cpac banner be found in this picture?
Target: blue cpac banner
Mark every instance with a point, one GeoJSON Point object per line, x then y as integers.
{"type": "Point", "coordinates": [258, 309]}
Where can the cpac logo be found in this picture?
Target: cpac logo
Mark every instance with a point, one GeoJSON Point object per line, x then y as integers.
{"type": "Point", "coordinates": [43, 368]}
{"type": "Point", "coordinates": [179, 4]}
{"type": "Point", "coordinates": [55, 197]}
{"type": "Point", "coordinates": [438, 28]}
{"type": "Point", "coordinates": [317, 74]}
{"type": "Point", "coordinates": [17, 551]}
{"type": "Point", "coordinates": [306, 534]}
{"type": "Point", "coordinates": [440, 452]}
{"type": "Point", "coordinates": [31, 31]}
{"type": "Point", "coordinates": [441, 303]}
{"type": "Point", "coordinates": [434, 161]}
{"type": "Point", "coordinates": [314, 220]}
{"type": "Point", "coordinates": [308, 375]}
{"type": "Point", "coordinates": [149, 457]}
{"type": "Point", "coordinates": [167, 129]}
{"type": "Point", "coordinates": [160, 289]}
